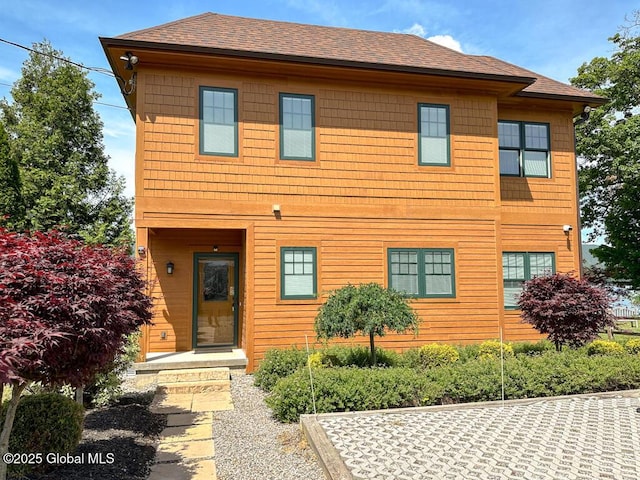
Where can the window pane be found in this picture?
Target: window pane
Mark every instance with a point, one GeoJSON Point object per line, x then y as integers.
{"type": "Point", "coordinates": [536, 136]}
{"type": "Point", "coordinates": [405, 283]}
{"type": "Point", "coordinates": [535, 164]}
{"type": "Point", "coordinates": [297, 128]}
{"type": "Point", "coordinates": [509, 162]}
{"type": "Point", "coordinates": [438, 276]}
{"type": "Point", "coordinates": [540, 264]}
{"type": "Point", "coordinates": [439, 285]}
{"type": "Point", "coordinates": [404, 271]}
{"type": "Point", "coordinates": [512, 291]}
{"type": "Point", "coordinates": [295, 285]}
{"type": "Point", "coordinates": [218, 128]}
{"type": "Point", "coordinates": [219, 139]}
{"type": "Point", "coordinates": [509, 134]}
{"type": "Point", "coordinates": [297, 143]}
{"type": "Point", "coordinates": [298, 272]}
{"type": "Point", "coordinates": [434, 150]}
{"type": "Point", "coordinates": [513, 266]}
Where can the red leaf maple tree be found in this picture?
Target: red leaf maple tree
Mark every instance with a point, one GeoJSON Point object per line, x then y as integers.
{"type": "Point", "coordinates": [65, 310]}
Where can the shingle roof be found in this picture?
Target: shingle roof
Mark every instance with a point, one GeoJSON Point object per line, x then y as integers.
{"type": "Point", "coordinates": [340, 46]}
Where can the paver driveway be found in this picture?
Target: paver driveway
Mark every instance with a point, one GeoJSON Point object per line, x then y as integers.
{"type": "Point", "coordinates": [581, 437]}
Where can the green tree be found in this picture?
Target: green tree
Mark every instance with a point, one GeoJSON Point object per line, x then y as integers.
{"type": "Point", "coordinates": [10, 197]}
{"type": "Point", "coordinates": [609, 147]}
{"type": "Point", "coordinates": [56, 140]}
{"type": "Point", "coordinates": [367, 308]}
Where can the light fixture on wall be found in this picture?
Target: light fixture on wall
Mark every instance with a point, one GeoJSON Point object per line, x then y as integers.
{"type": "Point", "coordinates": [215, 248]}
{"type": "Point", "coordinates": [141, 250]}
{"type": "Point", "coordinates": [567, 229]}
{"type": "Point", "coordinates": [130, 60]}
{"type": "Point", "coordinates": [170, 268]}
{"type": "Point", "coordinates": [127, 87]}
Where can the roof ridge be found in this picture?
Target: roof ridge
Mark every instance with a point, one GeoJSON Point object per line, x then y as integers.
{"type": "Point", "coordinates": [162, 25]}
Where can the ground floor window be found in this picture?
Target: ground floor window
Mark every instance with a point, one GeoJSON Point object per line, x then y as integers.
{"type": "Point", "coordinates": [298, 278]}
{"type": "Point", "coordinates": [518, 267]}
{"type": "Point", "coordinates": [422, 272]}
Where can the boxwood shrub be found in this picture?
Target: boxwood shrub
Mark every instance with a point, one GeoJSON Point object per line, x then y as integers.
{"type": "Point", "coordinates": [344, 389]}
{"type": "Point", "coordinates": [605, 347]}
{"type": "Point", "coordinates": [277, 364]}
{"type": "Point", "coordinates": [47, 422]}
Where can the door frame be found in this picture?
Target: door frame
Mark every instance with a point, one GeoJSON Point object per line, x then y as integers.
{"type": "Point", "coordinates": [194, 292]}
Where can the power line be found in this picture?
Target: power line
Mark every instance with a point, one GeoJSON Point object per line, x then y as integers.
{"type": "Point", "coordinates": [93, 69]}
{"type": "Point", "coordinates": [112, 105]}
{"type": "Point", "coordinates": [103, 71]}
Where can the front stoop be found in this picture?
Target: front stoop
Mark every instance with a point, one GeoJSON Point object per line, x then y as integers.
{"type": "Point", "coordinates": [189, 397]}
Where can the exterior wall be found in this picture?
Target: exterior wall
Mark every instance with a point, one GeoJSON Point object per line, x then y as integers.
{"type": "Point", "coordinates": [364, 193]}
{"type": "Point", "coordinates": [173, 294]}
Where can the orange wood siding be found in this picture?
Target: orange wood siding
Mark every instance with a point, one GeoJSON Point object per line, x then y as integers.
{"type": "Point", "coordinates": [173, 294]}
{"type": "Point", "coordinates": [366, 147]}
{"type": "Point", "coordinates": [355, 251]}
{"type": "Point", "coordinates": [364, 193]}
{"type": "Point", "coordinates": [537, 238]}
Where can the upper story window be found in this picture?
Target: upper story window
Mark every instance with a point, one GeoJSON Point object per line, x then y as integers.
{"type": "Point", "coordinates": [518, 267]}
{"type": "Point", "coordinates": [422, 272]}
{"type": "Point", "coordinates": [433, 125]}
{"type": "Point", "coordinates": [298, 270]}
{"type": "Point", "coordinates": [297, 122]}
{"type": "Point", "coordinates": [524, 149]}
{"type": "Point", "coordinates": [219, 121]}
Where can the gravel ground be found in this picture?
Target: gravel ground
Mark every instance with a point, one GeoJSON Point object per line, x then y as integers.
{"type": "Point", "coordinates": [251, 445]}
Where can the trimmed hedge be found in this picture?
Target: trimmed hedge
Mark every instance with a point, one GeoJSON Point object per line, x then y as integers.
{"type": "Point", "coordinates": [345, 389]}
{"type": "Point", "coordinates": [605, 347]}
{"type": "Point", "coordinates": [278, 364]}
{"type": "Point", "coordinates": [547, 374]}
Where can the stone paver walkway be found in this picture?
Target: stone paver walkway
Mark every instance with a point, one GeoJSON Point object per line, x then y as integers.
{"type": "Point", "coordinates": [583, 437]}
{"type": "Point", "coordinates": [189, 397]}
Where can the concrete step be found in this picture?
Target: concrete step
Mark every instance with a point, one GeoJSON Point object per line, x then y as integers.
{"type": "Point", "coordinates": [202, 386]}
{"type": "Point", "coordinates": [193, 375]}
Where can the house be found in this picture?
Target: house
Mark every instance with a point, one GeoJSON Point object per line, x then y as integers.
{"type": "Point", "coordinates": [276, 162]}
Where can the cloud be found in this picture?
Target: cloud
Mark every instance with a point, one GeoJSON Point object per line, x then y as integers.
{"type": "Point", "coordinates": [444, 40]}
{"type": "Point", "coordinates": [416, 29]}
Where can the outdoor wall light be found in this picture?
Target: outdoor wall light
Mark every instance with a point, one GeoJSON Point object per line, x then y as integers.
{"type": "Point", "coordinates": [141, 250]}
{"type": "Point", "coordinates": [131, 60]}
{"type": "Point", "coordinates": [567, 229]}
{"type": "Point", "coordinates": [275, 208]}
{"type": "Point", "coordinates": [170, 268]}
{"type": "Point", "coordinates": [215, 248]}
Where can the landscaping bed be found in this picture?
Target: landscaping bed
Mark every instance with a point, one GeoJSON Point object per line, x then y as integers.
{"type": "Point", "coordinates": [122, 436]}
{"type": "Point", "coordinates": [441, 374]}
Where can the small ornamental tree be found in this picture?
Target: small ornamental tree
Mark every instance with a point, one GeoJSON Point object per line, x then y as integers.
{"type": "Point", "coordinates": [569, 310]}
{"type": "Point", "coordinates": [367, 308]}
{"type": "Point", "coordinates": [65, 311]}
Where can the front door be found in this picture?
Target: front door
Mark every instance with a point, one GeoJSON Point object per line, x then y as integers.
{"type": "Point", "coordinates": [215, 309]}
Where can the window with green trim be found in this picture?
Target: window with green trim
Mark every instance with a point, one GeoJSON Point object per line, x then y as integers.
{"type": "Point", "coordinates": [219, 121]}
{"type": "Point", "coordinates": [518, 267]}
{"type": "Point", "coordinates": [298, 273]}
{"type": "Point", "coordinates": [433, 125]}
{"type": "Point", "coordinates": [297, 123]}
{"type": "Point", "coordinates": [524, 149]}
{"type": "Point", "coordinates": [422, 272]}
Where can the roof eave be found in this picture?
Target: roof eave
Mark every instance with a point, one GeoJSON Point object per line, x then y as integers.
{"type": "Point", "coordinates": [127, 43]}
{"type": "Point", "coordinates": [592, 101]}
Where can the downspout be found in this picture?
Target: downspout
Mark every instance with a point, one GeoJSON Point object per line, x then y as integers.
{"type": "Point", "coordinates": [584, 116]}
